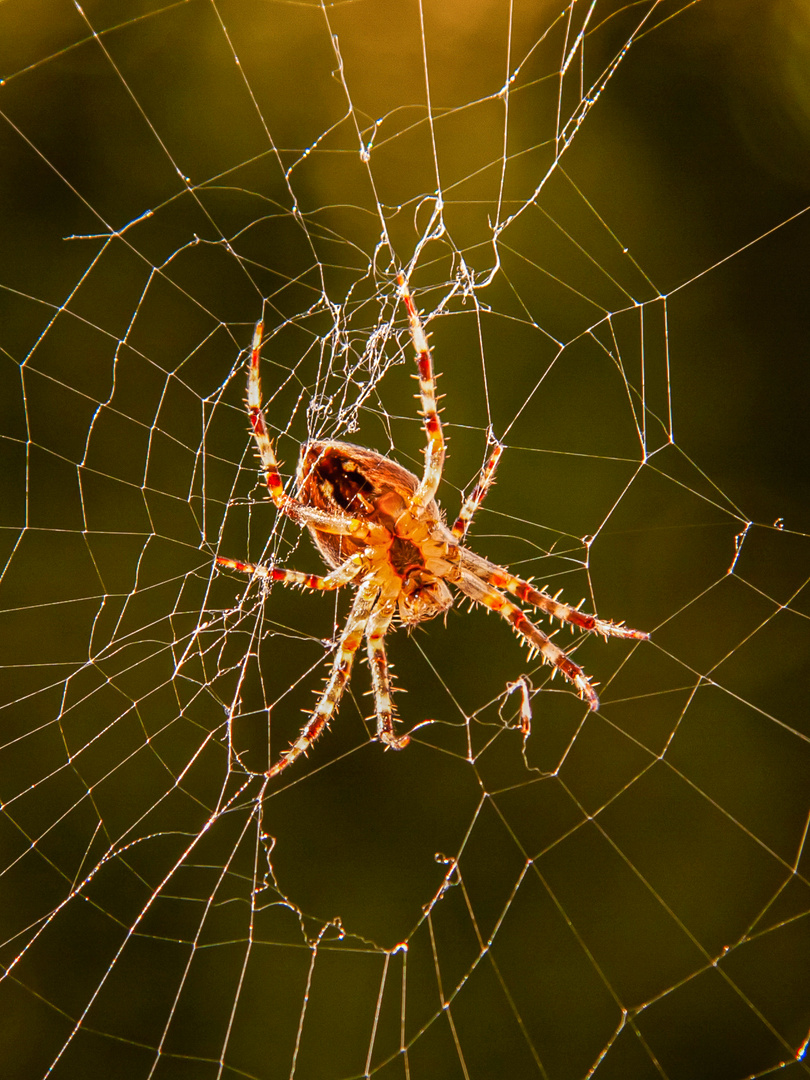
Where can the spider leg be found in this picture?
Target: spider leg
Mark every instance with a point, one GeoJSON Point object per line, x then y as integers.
{"type": "Point", "coordinates": [501, 579]}
{"type": "Point", "coordinates": [434, 451]}
{"type": "Point", "coordinates": [485, 481]}
{"type": "Point", "coordinates": [338, 677]}
{"type": "Point", "coordinates": [376, 630]}
{"type": "Point", "coordinates": [341, 524]}
{"type": "Point", "coordinates": [343, 575]}
{"type": "Point", "coordinates": [483, 593]}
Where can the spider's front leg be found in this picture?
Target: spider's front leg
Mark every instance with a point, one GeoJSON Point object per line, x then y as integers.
{"type": "Point", "coordinates": [340, 524]}
{"type": "Point", "coordinates": [376, 630]}
{"type": "Point", "coordinates": [338, 677]}
{"type": "Point", "coordinates": [485, 482]}
{"type": "Point", "coordinates": [434, 451]}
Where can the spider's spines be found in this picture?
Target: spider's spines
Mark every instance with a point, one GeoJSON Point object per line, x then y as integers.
{"type": "Point", "coordinates": [611, 629]}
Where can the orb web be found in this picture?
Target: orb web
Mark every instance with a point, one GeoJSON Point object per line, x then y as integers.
{"type": "Point", "coordinates": [529, 888]}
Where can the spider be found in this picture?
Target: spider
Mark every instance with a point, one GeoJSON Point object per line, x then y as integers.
{"type": "Point", "coordinates": [379, 528]}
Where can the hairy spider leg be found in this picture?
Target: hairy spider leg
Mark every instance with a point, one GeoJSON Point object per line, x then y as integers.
{"type": "Point", "coordinates": [434, 451]}
{"type": "Point", "coordinates": [376, 630]}
{"type": "Point", "coordinates": [485, 482]}
{"type": "Point", "coordinates": [349, 642]}
{"type": "Point", "coordinates": [490, 597]}
{"type": "Point", "coordinates": [341, 524]}
{"type": "Point", "coordinates": [501, 579]}
{"type": "Point", "coordinates": [343, 575]}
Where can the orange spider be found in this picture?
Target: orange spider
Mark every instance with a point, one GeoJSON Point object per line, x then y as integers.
{"type": "Point", "coordinates": [381, 530]}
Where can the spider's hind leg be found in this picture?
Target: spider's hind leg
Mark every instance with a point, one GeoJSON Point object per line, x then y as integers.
{"type": "Point", "coordinates": [483, 593]}
{"type": "Point", "coordinates": [376, 629]}
{"type": "Point", "coordinates": [343, 575]}
{"type": "Point", "coordinates": [348, 645]}
{"type": "Point", "coordinates": [499, 578]}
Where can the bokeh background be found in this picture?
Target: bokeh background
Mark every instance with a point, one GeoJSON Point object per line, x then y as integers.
{"type": "Point", "coordinates": [617, 273]}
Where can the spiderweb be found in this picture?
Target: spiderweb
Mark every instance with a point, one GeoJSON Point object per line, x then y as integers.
{"type": "Point", "coordinates": [600, 208]}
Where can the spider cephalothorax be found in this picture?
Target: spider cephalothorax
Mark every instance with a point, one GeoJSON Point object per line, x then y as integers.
{"type": "Point", "coordinates": [379, 527]}
{"type": "Point", "coordinates": [342, 478]}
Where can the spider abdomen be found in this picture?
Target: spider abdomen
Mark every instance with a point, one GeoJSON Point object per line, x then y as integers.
{"type": "Point", "coordinates": [341, 478]}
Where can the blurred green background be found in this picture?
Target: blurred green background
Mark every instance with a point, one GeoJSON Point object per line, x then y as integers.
{"type": "Point", "coordinates": [625, 895]}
